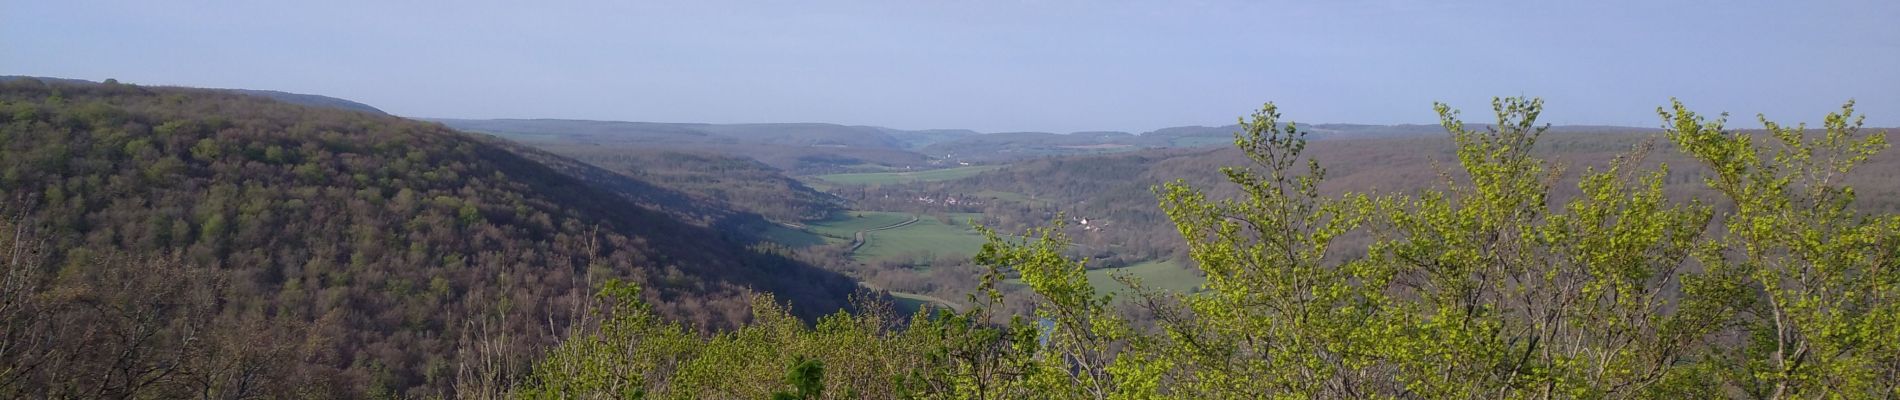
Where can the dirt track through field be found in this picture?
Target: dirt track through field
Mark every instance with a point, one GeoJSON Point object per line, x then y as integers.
{"type": "Point", "coordinates": [857, 238]}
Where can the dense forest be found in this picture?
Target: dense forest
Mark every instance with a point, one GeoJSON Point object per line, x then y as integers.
{"type": "Point", "coordinates": [169, 242]}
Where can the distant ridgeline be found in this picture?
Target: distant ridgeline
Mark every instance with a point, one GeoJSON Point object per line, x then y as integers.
{"type": "Point", "coordinates": [177, 242]}
{"type": "Point", "coordinates": [816, 148]}
{"type": "Point", "coordinates": [287, 97]}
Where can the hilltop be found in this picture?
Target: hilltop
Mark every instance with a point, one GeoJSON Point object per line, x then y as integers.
{"type": "Point", "coordinates": [287, 97]}
{"type": "Point", "coordinates": [264, 247]}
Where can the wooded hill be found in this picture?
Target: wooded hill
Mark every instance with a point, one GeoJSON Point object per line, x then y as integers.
{"type": "Point", "coordinates": [185, 242]}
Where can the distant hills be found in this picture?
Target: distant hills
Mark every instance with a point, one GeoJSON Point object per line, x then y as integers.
{"type": "Point", "coordinates": [820, 148]}
{"type": "Point", "coordinates": [816, 148]}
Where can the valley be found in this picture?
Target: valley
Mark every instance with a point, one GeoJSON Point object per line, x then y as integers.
{"type": "Point", "coordinates": [927, 200]}
{"type": "Point", "coordinates": [338, 202]}
{"type": "Point", "coordinates": [858, 198]}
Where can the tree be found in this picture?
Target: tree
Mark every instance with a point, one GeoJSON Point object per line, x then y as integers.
{"type": "Point", "coordinates": [1078, 327]}
{"type": "Point", "coordinates": [1821, 312]}
{"type": "Point", "coordinates": [807, 378]}
{"type": "Point", "coordinates": [1481, 289]}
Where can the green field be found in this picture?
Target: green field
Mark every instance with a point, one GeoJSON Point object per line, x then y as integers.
{"type": "Point", "coordinates": [844, 224]}
{"type": "Point", "coordinates": [888, 178]}
{"type": "Point", "coordinates": [1159, 274]}
{"type": "Point", "coordinates": [928, 237]}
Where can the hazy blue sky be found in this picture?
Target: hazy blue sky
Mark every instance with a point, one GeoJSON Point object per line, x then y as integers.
{"type": "Point", "coordinates": [991, 66]}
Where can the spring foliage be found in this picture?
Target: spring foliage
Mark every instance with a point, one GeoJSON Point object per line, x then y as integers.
{"type": "Point", "coordinates": [1479, 288]}
{"type": "Point", "coordinates": [172, 242]}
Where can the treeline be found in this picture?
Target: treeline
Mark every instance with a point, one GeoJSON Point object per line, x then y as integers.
{"type": "Point", "coordinates": [1488, 285]}
{"type": "Point", "coordinates": [193, 243]}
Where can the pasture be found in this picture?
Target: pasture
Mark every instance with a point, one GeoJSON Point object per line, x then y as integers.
{"type": "Point", "coordinates": [897, 177]}
{"type": "Point", "coordinates": [927, 238]}
{"type": "Point", "coordinates": [1159, 274]}
{"type": "Point", "coordinates": [844, 224]}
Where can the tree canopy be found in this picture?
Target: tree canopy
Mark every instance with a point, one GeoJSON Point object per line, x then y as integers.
{"type": "Point", "coordinates": [170, 242]}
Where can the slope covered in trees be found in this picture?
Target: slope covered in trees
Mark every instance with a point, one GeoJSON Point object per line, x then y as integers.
{"type": "Point", "coordinates": [1486, 284]}
{"type": "Point", "coordinates": [182, 242]}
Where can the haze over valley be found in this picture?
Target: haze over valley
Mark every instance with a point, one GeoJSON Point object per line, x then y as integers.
{"type": "Point", "coordinates": [1066, 200]}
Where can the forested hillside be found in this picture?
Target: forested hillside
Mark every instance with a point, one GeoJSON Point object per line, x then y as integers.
{"type": "Point", "coordinates": [181, 243]}
{"type": "Point", "coordinates": [732, 182]}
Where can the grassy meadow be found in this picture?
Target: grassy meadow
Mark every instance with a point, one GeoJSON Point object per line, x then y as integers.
{"type": "Point", "coordinates": [928, 237]}
{"type": "Point", "coordinates": [844, 224]}
{"type": "Point", "coordinates": [1159, 274]}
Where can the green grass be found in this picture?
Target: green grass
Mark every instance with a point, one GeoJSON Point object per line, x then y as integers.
{"type": "Point", "coordinates": [1159, 274]}
{"type": "Point", "coordinates": [888, 178]}
{"type": "Point", "coordinates": [843, 225]}
{"type": "Point", "coordinates": [928, 237]}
